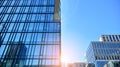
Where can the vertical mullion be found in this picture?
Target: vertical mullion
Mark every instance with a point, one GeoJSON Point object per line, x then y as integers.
{"type": "Point", "coordinates": [39, 61]}
{"type": "Point", "coordinates": [16, 27]}
{"type": "Point", "coordinates": [33, 49]}
{"type": "Point", "coordinates": [29, 48]}
{"type": "Point", "coordinates": [27, 16]}
{"type": "Point", "coordinates": [35, 37]}
{"type": "Point", "coordinates": [46, 32]}
{"type": "Point", "coordinates": [9, 17]}
{"type": "Point", "coordinates": [1, 3]}
{"type": "Point", "coordinates": [31, 43]}
{"type": "Point", "coordinates": [8, 38]}
{"type": "Point", "coordinates": [7, 41]}
{"type": "Point", "coordinates": [19, 17]}
{"type": "Point", "coordinates": [44, 38]}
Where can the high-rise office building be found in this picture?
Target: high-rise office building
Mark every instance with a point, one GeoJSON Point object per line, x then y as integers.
{"type": "Point", "coordinates": [79, 64]}
{"type": "Point", "coordinates": [90, 65]}
{"type": "Point", "coordinates": [16, 51]}
{"type": "Point", "coordinates": [36, 26]}
{"type": "Point", "coordinates": [112, 64]}
{"type": "Point", "coordinates": [110, 38]}
{"type": "Point", "coordinates": [100, 52]}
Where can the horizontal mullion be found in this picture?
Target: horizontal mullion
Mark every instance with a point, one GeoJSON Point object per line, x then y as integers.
{"type": "Point", "coordinates": [35, 44]}
{"type": "Point", "coordinates": [31, 13]}
{"type": "Point", "coordinates": [32, 22]}
{"type": "Point", "coordinates": [29, 6]}
{"type": "Point", "coordinates": [32, 58]}
{"type": "Point", "coordinates": [30, 32]}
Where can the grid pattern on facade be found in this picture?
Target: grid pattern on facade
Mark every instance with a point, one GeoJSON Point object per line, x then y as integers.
{"type": "Point", "coordinates": [106, 51]}
{"type": "Point", "coordinates": [100, 53]}
{"type": "Point", "coordinates": [29, 35]}
{"type": "Point", "coordinates": [110, 38]}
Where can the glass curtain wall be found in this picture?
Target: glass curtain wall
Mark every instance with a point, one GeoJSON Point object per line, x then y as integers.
{"type": "Point", "coordinates": [99, 53]}
{"type": "Point", "coordinates": [29, 34]}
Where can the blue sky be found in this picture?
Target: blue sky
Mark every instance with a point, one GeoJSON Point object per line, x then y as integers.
{"type": "Point", "coordinates": [84, 21]}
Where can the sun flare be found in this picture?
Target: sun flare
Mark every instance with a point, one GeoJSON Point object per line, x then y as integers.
{"type": "Point", "coordinates": [64, 60]}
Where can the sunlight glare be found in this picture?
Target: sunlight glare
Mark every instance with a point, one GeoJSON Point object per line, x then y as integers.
{"type": "Point", "coordinates": [64, 60]}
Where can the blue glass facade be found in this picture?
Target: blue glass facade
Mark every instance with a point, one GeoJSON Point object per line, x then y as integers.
{"type": "Point", "coordinates": [16, 50]}
{"type": "Point", "coordinates": [100, 53]}
{"type": "Point", "coordinates": [112, 64]}
{"type": "Point", "coordinates": [30, 33]}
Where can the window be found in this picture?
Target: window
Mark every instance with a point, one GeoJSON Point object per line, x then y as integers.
{"type": "Point", "coordinates": [5, 17]}
{"type": "Point", "coordinates": [1, 9]}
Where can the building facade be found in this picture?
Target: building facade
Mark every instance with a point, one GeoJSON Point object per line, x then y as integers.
{"type": "Point", "coordinates": [90, 65]}
{"type": "Point", "coordinates": [30, 33]}
{"type": "Point", "coordinates": [100, 52]}
{"type": "Point", "coordinates": [110, 38]}
{"type": "Point", "coordinates": [79, 64]}
{"type": "Point", "coordinates": [76, 64]}
{"type": "Point", "coordinates": [112, 64]}
{"type": "Point", "coordinates": [17, 51]}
